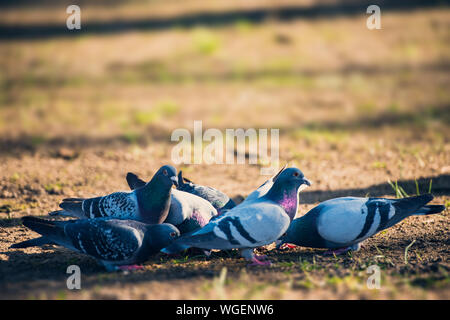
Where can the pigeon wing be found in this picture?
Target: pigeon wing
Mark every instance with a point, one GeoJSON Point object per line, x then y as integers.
{"type": "Point", "coordinates": [342, 220]}
{"type": "Point", "coordinates": [264, 188]}
{"type": "Point", "coordinates": [134, 182]}
{"type": "Point", "coordinates": [122, 205]}
{"type": "Point", "coordinates": [241, 227]}
{"type": "Point", "coordinates": [350, 219]}
{"type": "Point", "coordinates": [109, 240]}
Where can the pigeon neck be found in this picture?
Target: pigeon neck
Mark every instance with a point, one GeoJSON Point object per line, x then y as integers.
{"type": "Point", "coordinates": [287, 198]}
{"type": "Point", "coordinates": [154, 201]}
{"type": "Point", "coordinates": [305, 233]}
{"type": "Point", "coordinates": [147, 247]}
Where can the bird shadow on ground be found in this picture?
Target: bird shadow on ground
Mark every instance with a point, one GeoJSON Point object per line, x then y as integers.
{"type": "Point", "coordinates": [440, 187]}
{"type": "Point", "coordinates": [211, 19]}
{"type": "Point", "coordinates": [10, 222]}
{"type": "Point", "coordinates": [27, 271]}
{"type": "Point", "coordinates": [29, 144]}
{"type": "Point", "coordinates": [153, 74]}
{"type": "Point", "coordinates": [24, 272]}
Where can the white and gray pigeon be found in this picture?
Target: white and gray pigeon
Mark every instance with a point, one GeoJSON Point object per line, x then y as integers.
{"type": "Point", "coordinates": [341, 224]}
{"type": "Point", "coordinates": [250, 225]}
{"type": "Point", "coordinates": [115, 243]}
{"type": "Point", "coordinates": [149, 204]}
{"type": "Point", "coordinates": [186, 211]}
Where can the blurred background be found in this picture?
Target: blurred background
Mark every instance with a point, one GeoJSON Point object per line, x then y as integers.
{"type": "Point", "coordinates": [356, 108]}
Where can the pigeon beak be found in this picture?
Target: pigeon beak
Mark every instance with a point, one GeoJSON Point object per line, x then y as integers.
{"type": "Point", "coordinates": [174, 180]}
{"type": "Point", "coordinates": [307, 182]}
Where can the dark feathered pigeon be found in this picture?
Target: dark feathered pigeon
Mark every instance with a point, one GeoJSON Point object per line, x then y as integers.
{"type": "Point", "coordinates": [149, 204]}
{"type": "Point", "coordinates": [343, 223]}
{"type": "Point", "coordinates": [187, 211]}
{"type": "Point", "coordinates": [115, 243]}
{"type": "Point", "coordinates": [251, 224]}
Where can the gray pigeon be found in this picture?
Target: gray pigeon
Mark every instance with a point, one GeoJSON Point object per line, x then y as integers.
{"type": "Point", "coordinates": [116, 243]}
{"type": "Point", "coordinates": [341, 224]}
{"type": "Point", "coordinates": [251, 224]}
{"type": "Point", "coordinates": [149, 204]}
{"type": "Point", "coordinates": [187, 211]}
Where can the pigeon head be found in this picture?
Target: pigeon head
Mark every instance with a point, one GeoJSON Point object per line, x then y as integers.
{"type": "Point", "coordinates": [285, 189]}
{"type": "Point", "coordinates": [161, 235]}
{"type": "Point", "coordinates": [154, 197]}
{"type": "Point", "coordinates": [167, 175]}
{"type": "Point", "coordinates": [291, 177]}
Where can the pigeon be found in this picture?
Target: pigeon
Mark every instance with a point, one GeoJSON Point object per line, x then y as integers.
{"type": "Point", "coordinates": [186, 211]}
{"type": "Point", "coordinates": [341, 224]}
{"type": "Point", "coordinates": [250, 225]}
{"type": "Point", "coordinates": [264, 188]}
{"type": "Point", "coordinates": [219, 200]}
{"type": "Point", "coordinates": [149, 204]}
{"type": "Point", "coordinates": [115, 243]}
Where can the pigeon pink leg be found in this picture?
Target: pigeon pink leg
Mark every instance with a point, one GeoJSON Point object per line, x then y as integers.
{"type": "Point", "coordinates": [285, 246]}
{"type": "Point", "coordinates": [261, 257]}
{"type": "Point", "coordinates": [132, 267]}
{"type": "Point", "coordinates": [256, 262]}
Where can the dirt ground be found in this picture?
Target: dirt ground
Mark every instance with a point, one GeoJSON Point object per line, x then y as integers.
{"type": "Point", "coordinates": [356, 108]}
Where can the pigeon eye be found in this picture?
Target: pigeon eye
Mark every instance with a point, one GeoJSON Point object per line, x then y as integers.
{"type": "Point", "coordinates": [165, 172]}
{"type": "Point", "coordinates": [173, 234]}
{"type": "Point", "coordinates": [295, 174]}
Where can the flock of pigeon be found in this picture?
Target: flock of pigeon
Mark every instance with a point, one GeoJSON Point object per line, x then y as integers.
{"type": "Point", "coordinates": [123, 229]}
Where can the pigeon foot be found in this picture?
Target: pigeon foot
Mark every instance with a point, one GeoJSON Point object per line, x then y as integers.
{"type": "Point", "coordinates": [256, 262]}
{"type": "Point", "coordinates": [132, 267]}
{"type": "Point", "coordinates": [261, 257]}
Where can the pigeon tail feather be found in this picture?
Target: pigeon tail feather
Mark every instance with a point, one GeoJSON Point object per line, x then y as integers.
{"type": "Point", "coordinates": [43, 227]}
{"type": "Point", "coordinates": [60, 213]}
{"type": "Point", "coordinates": [412, 204]}
{"type": "Point", "coordinates": [72, 208]}
{"type": "Point", "coordinates": [429, 209]}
